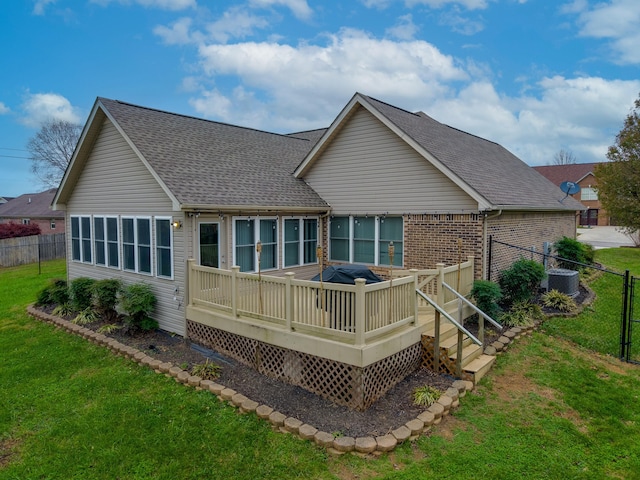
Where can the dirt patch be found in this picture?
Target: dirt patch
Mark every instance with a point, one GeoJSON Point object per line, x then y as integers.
{"type": "Point", "coordinates": [7, 451]}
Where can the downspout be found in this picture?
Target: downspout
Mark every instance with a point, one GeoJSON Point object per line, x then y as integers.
{"type": "Point", "coordinates": [484, 240]}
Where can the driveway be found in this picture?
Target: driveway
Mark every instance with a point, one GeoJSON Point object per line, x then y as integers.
{"type": "Point", "coordinates": [604, 237]}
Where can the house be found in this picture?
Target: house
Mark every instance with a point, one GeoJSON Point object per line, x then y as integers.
{"type": "Point", "coordinates": [582, 174]}
{"type": "Point", "coordinates": [5, 199]}
{"type": "Point", "coordinates": [192, 207]}
{"type": "Point", "coordinates": [34, 208]}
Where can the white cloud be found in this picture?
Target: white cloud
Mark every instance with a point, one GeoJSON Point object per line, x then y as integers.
{"type": "Point", "coordinates": [235, 23]}
{"type": "Point", "coordinates": [40, 6]}
{"type": "Point", "coordinates": [404, 29]}
{"type": "Point", "coordinates": [299, 8]}
{"type": "Point", "coordinates": [461, 24]}
{"type": "Point", "coordinates": [162, 4]}
{"type": "Point", "coordinates": [616, 20]}
{"type": "Point", "coordinates": [178, 33]}
{"type": "Point", "coordinates": [40, 107]}
{"type": "Point", "coordinates": [4, 109]}
{"type": "Point", "coordinates": [468, 4]}
{"type": "Point", "coordinates": [350, 61]}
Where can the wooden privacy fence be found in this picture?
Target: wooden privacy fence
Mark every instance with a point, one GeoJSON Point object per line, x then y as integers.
{"type": "Point", "coordinates": [352, 314]}
{"type": "Point", "coordinates": [32, 249]}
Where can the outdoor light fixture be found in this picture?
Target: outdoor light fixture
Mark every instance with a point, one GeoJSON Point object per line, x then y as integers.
{"type": "Point", "coordinates": [177, 224]}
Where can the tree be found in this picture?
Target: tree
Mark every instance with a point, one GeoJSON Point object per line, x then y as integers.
{"type": "Point", "coordinates": [619, 179]}
{"type": "Point", "coordinates": [564, 157]}
{"type": "Point", "coordinates": [51, 150]}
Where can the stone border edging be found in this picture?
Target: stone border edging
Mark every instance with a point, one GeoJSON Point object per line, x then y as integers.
{"type": "Point", "coordinates": [280, 422]}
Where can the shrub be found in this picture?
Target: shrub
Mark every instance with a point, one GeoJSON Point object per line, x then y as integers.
{"type": "Point", "coordinates": [207, 370]}
{"type": "Point", "coordinates": [571, 249]}
{"type": "Point", "coordinates": [522, 314]}
{"type": "Point", "coordinates": [486, 295]}
{"type": "Point", "coordinates": [86, 316]}
{"type": "Point", "coordinates": [56, 293]}
{"type": "Point", "coordinates": [81, 291]}
{"type": "Point", "coordinates": [13, 230]}
{"type": "Point", "coordinates": [521, 281]}
{"type": "Point", "coordinates": [559, 301]}
{"type": "Point", "coordinates": [138, 301]}
{"type": "Point", "coordinates": [105, 297]}
{"type": "Point", "coordinates": [426, 395]}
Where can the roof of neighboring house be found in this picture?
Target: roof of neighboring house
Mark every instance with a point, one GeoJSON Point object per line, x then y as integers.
{"type": "Point", "coordinates": [5, 199]}
{"type": "Point", "coordinates": [31, 205]}
{"type": "Point", "coordinates": [206, 163]}
{"type": "Point", "coordinates": [566, 173]}
{"type": "Point", "coordinates": [486, 170]}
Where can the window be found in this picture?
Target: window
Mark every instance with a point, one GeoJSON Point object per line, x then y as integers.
{"type": "Point", "coordinates": [99, 240]}
{"type": "Point", "coordinates": [588, 193]}
{"type": "Point", "coordinates": [164, 256]}
{"type": "Point", "coordinates": [53, 224]}
{"type": "Point", "coordinates": [136, 244]}
{"type": "Point", "coordinates": [26, 221]}
{"type": "Point", "coordinates": [75, 239]}
{"type": "Point", "coordinates": [105, 241]}
{"type": "Point", "coordinates": [300, 241]}
{"type": "Point", "coordinates": [248, 233]}
{"type": "Point", "coordinates": [81, 239]}
{"type": "Point", "coordinates": [113, 255]}
{"type": "Point", "coordinates": [209, 245]}
{"type": "Point", "coordinates": [366, 239]}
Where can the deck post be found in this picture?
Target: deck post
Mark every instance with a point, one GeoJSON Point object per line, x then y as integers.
{"type": "Point", "coordinates": [360, 310]}
{"type": "Point", "coordinates": [288, 300]}
{"type": "Point", "coordinates": [190, 281]}
{"type": "Point", "coordinates": [440, 296]}
{"type": "Point", "coordinates": [414, 274]}
{"type": "Point", "coordinates": [234, 290]}
{"type": "Point", "coordinates": [436, 341]}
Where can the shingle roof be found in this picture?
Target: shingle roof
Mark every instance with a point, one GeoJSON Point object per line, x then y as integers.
{"type": "Point", "coordinates": [31, 205]}
{"type": "Point", "coordinates": [485, 166]}
{"type": "Point", "coordinates": [210, 163]}
{"type": "Point", "coordinates": [571, 173]}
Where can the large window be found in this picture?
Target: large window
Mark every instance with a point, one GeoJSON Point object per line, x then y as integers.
{"type": "Point", "coordinates": [164, 246]}
{"type": "Point", "coordinates": [136, 244]}
{"type": "Point", "coordinates": [248, 232]}
{"type": "Point", "coordinates": [81, 239]}
{"type": "Point", "coordinates": [75, 239]}
{"type": "Point", "coordinates": [113, 254]}
{"type": "Point", "coordinates": [300, 241]}
{"type": "Point", "coordinates": [366, 239]}
{"type": "Point", "coordinates": [588, 193]}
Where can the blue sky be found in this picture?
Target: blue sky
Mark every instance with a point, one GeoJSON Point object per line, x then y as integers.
{"type": "Point", "coordinates": [536, 76]}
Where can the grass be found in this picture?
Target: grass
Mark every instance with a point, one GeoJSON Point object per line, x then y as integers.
{"type": "Point", "coordinates": [70, 409]}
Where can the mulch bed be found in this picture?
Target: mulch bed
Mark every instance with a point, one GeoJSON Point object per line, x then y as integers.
{"type": "Point", "coordinates": [388, 413]}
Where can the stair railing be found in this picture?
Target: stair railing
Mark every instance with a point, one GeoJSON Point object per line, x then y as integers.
{"type": "Point", "coordinates": [481, 315]}
{"type": "Point", "coordinates": [436, 340]}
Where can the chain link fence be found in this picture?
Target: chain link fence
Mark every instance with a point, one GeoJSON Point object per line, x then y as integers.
{"type": "Point", "coordinates": [603, 330]}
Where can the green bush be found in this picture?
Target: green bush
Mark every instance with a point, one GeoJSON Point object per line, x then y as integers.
{"type": "Point", "coordinates": [521, 281]}
{"type": "Point", "coordinates": [559, 301]}
{"type": "Point", "coordinates": [81, 292]}
{"type": "Point", "coordinates": [138, 301]}
{"type": "Point", "coordinates": [105, 297]}
{"type": "Point", "coordinates": [426, 395]}
{"type": "Point", "coordinates": [207, 370]}
{"type": "Point", "coordinates": [487, 294]}
{"type": "Point", "coordinates": [522, 314]}
{"type": "Point", "coordinates": [571, 249]}
{"type": "Point", "coordinates": [56, 293]}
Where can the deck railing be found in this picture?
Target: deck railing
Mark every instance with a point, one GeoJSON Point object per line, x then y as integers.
{"type": "Point", "coordinates": [354, 314]}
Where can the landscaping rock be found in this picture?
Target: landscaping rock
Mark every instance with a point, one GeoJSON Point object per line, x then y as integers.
{"type": "Point", "coordinates": [365, 444]}
{"type": "Point", "coordinates": [323, 439]}
{"type": "Point", "coordinates": [216, 388]}
{"type": "Point", "coordinates": [227, 393]}
{"type": "Point", "coordinates": [183, 377]}
{"type": "Point", "coordinates": [248, 406]}
{"type": "Point", "coordinates": [307, 432]}
{"type": "Point", "coordinates": [292, 425]}
{"type": "Point", "coordinates": [344, 444]}
{"type": "Point", "coordinates": [490, 350]}
{"type": "Point", "coordinates": [174, 371]}
{"type": "Point", "coordinates": [504, 340]}
{"type": "Point", "coordinates": [277, 419]}
{"type": "Point", "coordinates": [263, 411]}
{"type": "Point", "coordinates": [194, 380]}
{"type": "Point", "coordinates": [437, 409]}
{"type": "Point", "coordinates": [386, 443]}
{"type": "Point", "coordinates": [238, 399]}
{"type": "Point", "coordinates": [461, 386]}
{"type": "Point", "coordinates": [427, 418]}
{"type": "Point", "coordinates": [499, 346]}
{"type": "Point", "coordinates": [445, 401]}
{"type": "Point", "coordinates": [402, 433]}
{"type": "Point", "coordinates": [164, 367]}
{"type": "Point", "coordinates": [510, 334]}
{"type": "Point", "coordinates": [416, 426]}
{"type": "Point", "coordinates": [453, 393]}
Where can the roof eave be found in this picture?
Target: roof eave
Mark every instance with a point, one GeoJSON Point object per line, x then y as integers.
{"type": "Point", "coordinates": [196, 207]}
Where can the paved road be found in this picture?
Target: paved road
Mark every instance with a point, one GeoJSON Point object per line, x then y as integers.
{"type": "Point", "coordinates": [604, 237]}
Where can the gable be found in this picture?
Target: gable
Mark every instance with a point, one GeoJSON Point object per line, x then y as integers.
{"type": "Point", "coordinates": [114, 179]}
{"type": "Point", "coordinates": [366, 168]}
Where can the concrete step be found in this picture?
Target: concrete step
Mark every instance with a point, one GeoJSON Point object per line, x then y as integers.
{"type": "Point", "coordinates": [479, 366]}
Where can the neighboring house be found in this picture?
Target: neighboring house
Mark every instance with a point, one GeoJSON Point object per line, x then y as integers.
{"type": "Point", "coordinates": [34, 208]}
{"type": "Point", "coordinates": [5, 199]}
{"type": "Point", "coordinates": [582, 174]}
{"type": "Point", "coordinates": [147, 190]}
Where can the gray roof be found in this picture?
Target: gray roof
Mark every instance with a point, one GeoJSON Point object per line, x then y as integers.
{"type": "Point", "coordinates": [485, 166]}
{"type": "Point", "coordinates": [209, 163]}
{"type": "Point", "coordinates": [31, 205]}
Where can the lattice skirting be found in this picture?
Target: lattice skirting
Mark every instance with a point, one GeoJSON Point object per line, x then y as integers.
{"type": "Point", "coordinates": [447, 364]}
{"type": "Point", "coordinates": [354, 387]}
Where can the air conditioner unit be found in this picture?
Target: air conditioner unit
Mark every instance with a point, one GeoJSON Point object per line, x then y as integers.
{"type": "Point", "coordinates": [564, 281]}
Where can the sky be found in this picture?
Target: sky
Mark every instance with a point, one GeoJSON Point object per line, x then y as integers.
{"type": "Point", "coordinates": [537, 76]}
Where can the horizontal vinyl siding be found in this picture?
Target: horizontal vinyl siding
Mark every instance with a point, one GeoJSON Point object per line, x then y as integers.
{"type": "Point", "coordinates": [115, 182]}
{"type": "Point", "coordinates": [368, 169]}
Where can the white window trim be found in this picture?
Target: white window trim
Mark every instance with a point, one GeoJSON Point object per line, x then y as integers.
{"type": "Point", "coordinates": [154, 246]}
{"type": "Point", "coordinates": [256, 238]}
{"type": "Point", "coordinates": [376, 239]}
{"type": "Point", "coordinates": [136, 244]}
{"type": "Point", "coordinates": [106, 241]}
{"type": "Point", "coordinates": [81, 238]}
{"type": "Point", "coordinates": [300, 240]}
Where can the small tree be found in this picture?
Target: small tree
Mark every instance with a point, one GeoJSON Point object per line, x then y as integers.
{"type": "Point", "coordinates": [564, 157]}
{"type": "Point", "coordinates": [487, 294]}
{"type": "Point", "coordinates": [51, 150]}
{"type": "Point", "coordinates": [619, 179]}
{"type": "Point", "coordinates": [13, 230]}
{"type": "Point", "coordinates": [571, 249]}
{"type": "Point", "coordinates": [521, 281]}
{"type": "Point", "coordinates": [138, 301]}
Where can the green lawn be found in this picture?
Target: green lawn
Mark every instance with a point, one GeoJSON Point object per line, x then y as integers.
{"type": "Point", "coordinates": [70, 409]}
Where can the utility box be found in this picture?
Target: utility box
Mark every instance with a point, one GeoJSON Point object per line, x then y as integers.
{"type": "Point", "coordinates": [564, 281]}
